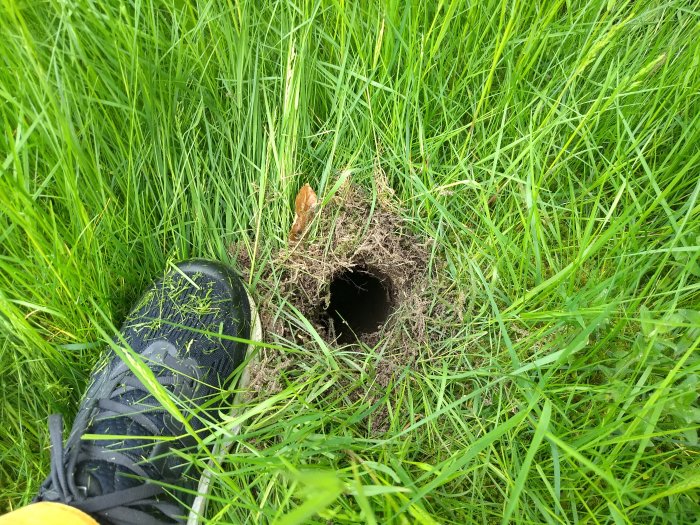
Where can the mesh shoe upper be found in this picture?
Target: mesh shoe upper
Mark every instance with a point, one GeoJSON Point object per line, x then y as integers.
{"type": "Point", "coordinates": [183, 333]}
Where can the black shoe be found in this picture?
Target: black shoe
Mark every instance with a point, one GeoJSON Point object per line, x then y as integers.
{"type": "Point", "coordinates": [175, 331]}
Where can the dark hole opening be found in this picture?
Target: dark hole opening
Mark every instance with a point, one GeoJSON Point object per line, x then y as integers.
{"type": "Point", "coordinates": [360, 302]}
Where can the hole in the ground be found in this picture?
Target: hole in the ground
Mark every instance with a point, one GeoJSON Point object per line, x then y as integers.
{"type": "Point", "coordinates": [361, 300]}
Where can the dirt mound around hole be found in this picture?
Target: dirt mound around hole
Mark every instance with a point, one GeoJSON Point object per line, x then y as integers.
{"type": "Point", "coordinates": [358, 257]}
{"type": "Point", "coordinates": [357, 273]}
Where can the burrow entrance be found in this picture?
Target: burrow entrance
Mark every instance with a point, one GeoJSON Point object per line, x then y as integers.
{"type": "Point", "coordinates": [358, 275]}
{"type": "Point", "coordinates": [357, 278]}
{"type": "Point", "coordinates": [360, 300]}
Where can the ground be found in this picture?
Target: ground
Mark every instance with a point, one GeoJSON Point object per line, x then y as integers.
{"type": "Point", "coordinates": [532, 165]}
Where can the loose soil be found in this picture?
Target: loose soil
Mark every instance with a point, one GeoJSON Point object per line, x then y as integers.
{"type": "Point", "coordinates": [361, 248]}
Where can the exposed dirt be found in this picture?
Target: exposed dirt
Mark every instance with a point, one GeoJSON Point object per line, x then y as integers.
{"type": "Point", "coordinates": [349, 232]}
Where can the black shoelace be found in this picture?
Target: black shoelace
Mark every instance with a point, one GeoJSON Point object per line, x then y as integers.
{"type": "Point", "coordinates": [135, 505]}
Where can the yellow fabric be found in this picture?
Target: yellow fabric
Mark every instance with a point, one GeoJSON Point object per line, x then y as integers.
{"type": "Point", "coordinates": [47, 513]}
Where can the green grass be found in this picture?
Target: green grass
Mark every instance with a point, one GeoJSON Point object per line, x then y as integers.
{"type": "Point", "coordinates": [551, 150]}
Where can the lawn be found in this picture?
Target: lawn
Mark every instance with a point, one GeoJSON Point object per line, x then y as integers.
{"type": "Point", "coordinates": [545, 155]}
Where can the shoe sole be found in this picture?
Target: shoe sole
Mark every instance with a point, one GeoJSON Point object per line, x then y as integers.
{"type": "Point", "coordinates": [199, 506]}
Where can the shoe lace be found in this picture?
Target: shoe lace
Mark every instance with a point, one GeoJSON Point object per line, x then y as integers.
{"type": "Point", "coordinates": [139, 504]}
